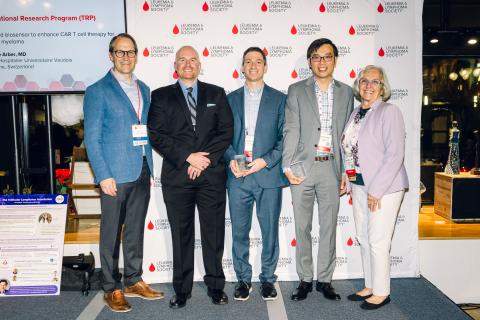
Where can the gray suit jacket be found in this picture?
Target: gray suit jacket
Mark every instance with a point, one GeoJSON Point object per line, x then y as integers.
{"type": "Point", "coordinates": [302, 123]}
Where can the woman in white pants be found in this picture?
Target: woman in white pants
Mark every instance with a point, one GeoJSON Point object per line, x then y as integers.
{"type": "Point", "coordinates": [373, 146]}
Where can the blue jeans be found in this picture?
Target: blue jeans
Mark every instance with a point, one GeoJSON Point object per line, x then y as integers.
{"type": "Point", "coordinates": [241, 196]}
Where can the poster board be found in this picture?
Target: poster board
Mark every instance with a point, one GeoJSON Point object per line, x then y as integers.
{"type": "Point", "coordinates": [32, 231]}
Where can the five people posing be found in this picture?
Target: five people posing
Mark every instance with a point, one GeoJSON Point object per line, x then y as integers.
{"type": "Point", "coordinates": [253, 142]}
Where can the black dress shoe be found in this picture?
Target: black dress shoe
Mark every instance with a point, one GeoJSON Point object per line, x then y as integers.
{"type": "Point", "coordinates": [372, 306]}
{"type": "Point", "coordinates": [179, 301]}
{"type": "Point", "coordinates": [269, 292]}
{"type": "Point", "coordinates": [302, 291]}
{"type": "Point", "coordinates": [218, 296]}
{"type": "Point", "coordinates": [242, 291]}
{"type": "Point", "coordinates": [327, 290]}
{"type": "Point", "coordinates": [357, 297]}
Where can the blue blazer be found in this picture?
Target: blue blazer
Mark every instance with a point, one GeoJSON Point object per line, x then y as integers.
{"type": "Point", "coordinates": [109, 116]}
{"type": "Point", "coordinates": [268, 141]}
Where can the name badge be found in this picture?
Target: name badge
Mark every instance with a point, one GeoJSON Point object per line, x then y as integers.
{"type": "Point", "coordinates": [139, 134]}
{"type": "Point", "coordinates": [325, 143]}
{"type": "Point", "coordinates": [350, 169]}
{"type": "Point", "coordinates": [249, 148]}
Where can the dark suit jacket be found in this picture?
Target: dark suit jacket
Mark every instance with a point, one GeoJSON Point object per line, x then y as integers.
{"type": "Point", "coordinates": [109, 116]}
{"type": "Point", "coordinates": [268, 136]}
{"type": "Point", "coordinates": [171, 132]}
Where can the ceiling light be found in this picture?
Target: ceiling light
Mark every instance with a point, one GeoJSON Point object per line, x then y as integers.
{"type": "Point", "coordinates": [476, 72]}
{"type": "Point", "coordinates": [453, 76]}
{"type": "Point", "coordinates": [472, 41]}
{"type": "Point", "coordinates": [434, 40]}
{"type": "Point", "coordinates": [465, 73]}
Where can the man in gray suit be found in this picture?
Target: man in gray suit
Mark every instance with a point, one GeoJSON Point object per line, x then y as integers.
{"type": "Point", "coordinates": [316, 112]}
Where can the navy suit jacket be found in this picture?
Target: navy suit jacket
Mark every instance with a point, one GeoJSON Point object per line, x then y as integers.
{"type": "Point", "coordinates": [268, 140]}
{"type": "Point", "coordinates": [109, 116]}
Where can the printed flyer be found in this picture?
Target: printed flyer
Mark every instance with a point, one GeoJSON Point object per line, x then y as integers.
{"type": "Point", "coordinates": [32, 230]}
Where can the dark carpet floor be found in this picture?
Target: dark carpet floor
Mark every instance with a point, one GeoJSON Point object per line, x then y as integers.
{"type": "Point", "coordinates": [411, 299]}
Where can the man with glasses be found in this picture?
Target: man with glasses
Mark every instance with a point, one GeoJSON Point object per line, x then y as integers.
{"type": "Point", "coordinates": [316, 112]}
{"type": "Point", "coordinates": [116, 109]}
{"type": "Point", "coordinates": [190, 124]}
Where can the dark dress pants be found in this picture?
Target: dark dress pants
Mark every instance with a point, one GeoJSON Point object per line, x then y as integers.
{"type": "Point", "coordinates": [180, 203]}
{"type": "Point", "coordinates": [127, 209]}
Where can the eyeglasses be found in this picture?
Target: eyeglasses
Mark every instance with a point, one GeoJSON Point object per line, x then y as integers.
{"type": "Point", "coordinates": [317, 58]}
{"type": "Point", "coordinates": [374, 83]}
{"type": "Point", "coordinates": [121, 53]}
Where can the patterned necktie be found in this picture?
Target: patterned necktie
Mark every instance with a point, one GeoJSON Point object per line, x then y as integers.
{"type": "Point", "coordinates": [192, 106]}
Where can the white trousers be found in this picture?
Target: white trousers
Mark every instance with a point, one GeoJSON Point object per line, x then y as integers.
{"type": "Point", "coordinates": [374, 233]}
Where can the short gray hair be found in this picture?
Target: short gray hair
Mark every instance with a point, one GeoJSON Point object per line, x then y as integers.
{"type": "Point", "coordinates": [386, 92]}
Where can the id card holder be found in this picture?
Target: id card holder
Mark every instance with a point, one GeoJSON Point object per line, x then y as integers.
{"type": "Point", "coordinates": [139, 134]}
{"type": "Point", "coordinates": [249, 148]}
{"type": "Point", "coordinates": [350, 169]}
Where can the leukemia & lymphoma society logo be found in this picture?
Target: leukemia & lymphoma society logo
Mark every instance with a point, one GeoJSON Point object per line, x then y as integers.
{"type": "Point", "coordinates": [156, 182]}
{"type": "Point", "coordinates": [255, 242]}
{"type": "Point", "coordinates": [217, 5]}
{"type": "Point", "coordinates": [188, 28]}
{"type": "Point", "coordinates": [400, 219]}
{"type": "Point", "coordinates": [395, 261]}
{"type": "Point", "coordinates": [392, 6]}
{"type": "Point", "coordinates": [158, 52]}
{"type": "Point", "coordinates": [161, 266]}
{"type": "Point", "coordinates": [394, 51]}
{"type": "Point", "coordinates": [285, 221]}
{"type": "Point", "coordinates": [352, 74]}
{"type": "Point", "coordinates": [247, 28]}
{"type": "Point", "coordinates": [284, 262]}
{"type": "Point", "coordinates": [198, 244]}
{"type": "Point", "coordinates": [277, 51]}
{"type": "Point", "coordinates": [352, 242]}
{"type": "Point", "coordinates": [399, 94]}
{"type": "Point", "coordinates": [341, 220]}
{"type": "Point", "coordinates": [301, 73]}
{"type": "Point", "coordinates": [237, 75]}
{"type": "Point", "coordinates": [158, 224]}
{"type": "Point", "coordinates": [217, 51]}
{"type": "Point", "coordinates": [343, 51]}
{"type": "Point", "coordinates": [363, 29]}
{"type": "Point", "coordinates": [340, 261]}
{"type": "Point", "coordinates": [158, 5]}
{"type": "Point", "coordinates": [334, 6]}
{"type": "Point", "coordinates": [305, 29]}
{"type": "Point", "coordinates": [227, 264]}
{"type": "Point", "coordinates": [275, 6]}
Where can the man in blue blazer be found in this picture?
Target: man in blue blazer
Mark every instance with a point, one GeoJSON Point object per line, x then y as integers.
{"type": "Point", "coordinates": [258, 112]}
{"type": "Point", "coordinates": [116, 109]}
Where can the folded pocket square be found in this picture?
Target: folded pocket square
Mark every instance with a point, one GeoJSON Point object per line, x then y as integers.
{"type": "Point", "coordinates": [211, 105]}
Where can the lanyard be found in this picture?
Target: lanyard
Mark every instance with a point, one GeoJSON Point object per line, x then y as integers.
{"type": "Point", "coordinates": [139, 103]}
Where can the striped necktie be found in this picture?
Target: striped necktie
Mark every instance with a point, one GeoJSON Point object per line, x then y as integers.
{"type": "Point", "coordinates": [192, 106]}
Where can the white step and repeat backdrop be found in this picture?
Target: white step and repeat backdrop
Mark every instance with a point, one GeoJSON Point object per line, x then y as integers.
{"type": "Point", "coordinates": [387, 33]}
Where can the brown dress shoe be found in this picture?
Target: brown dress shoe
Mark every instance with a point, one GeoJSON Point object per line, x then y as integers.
{"type": "Point", "coordinates": [116, 301]}
{"type": "Point", "coordinates": [143, 290]}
